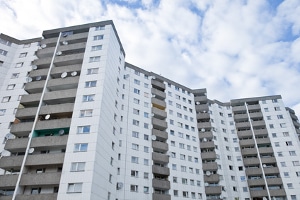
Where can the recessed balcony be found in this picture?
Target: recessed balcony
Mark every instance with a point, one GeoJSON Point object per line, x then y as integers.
{"type": "Point", "coordinates": [53, 124]}
{"type": "Point", "coordinates": [21, 129]}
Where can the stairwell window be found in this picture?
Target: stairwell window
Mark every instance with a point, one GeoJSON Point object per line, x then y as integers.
{"type": "Point", "coordinates": [96, 47]}
{"type": "Point", "coordinates": [22, 55]}
{"type": "Point", "coordinates": [89, 84]}
{"type": "Point", "coordinates": [15, 75]}
{"type": "Point", "coordinates": [3, 52]}
{"type": "Point", "coordinates": [77, 166]}
{"type": "Point", "coordinates": [87, 98]}
{"type": "Point", "coordinates": [94, 59]}
{"type": "Point", "coordinates": [80, 147]}
{"type": "Point", "coordinates": [98, 37]}
{"type": "Point", "coordinates": [83, 129]}
{"type": "Point", "coordinates": [86, 113]}
{"type": "Point", "coordinates": [74, 188]}
{"type": "Point", "coordinates": [92, 71]}
{"type": "Point", "coordinates": [6, 99]}
{"type": "Point", "coordinates": [98, 28]}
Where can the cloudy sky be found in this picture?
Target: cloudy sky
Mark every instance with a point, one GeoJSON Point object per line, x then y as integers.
{"type": "Point", "coordinates": [234, 48]}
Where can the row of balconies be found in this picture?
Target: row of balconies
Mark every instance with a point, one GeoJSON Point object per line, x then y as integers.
{"type": "Point", "coordinates": [24, 128]}
{"type": "Point", "coordinates": [56, 71]}
{"type": "Point", "coordinates": [14, 162]}
{"type": "Point", "coordinates": [253, 115]}
{"type": "Point", "coordinates": [20, 144]}
{"type": "Point", "coordinates": [264, 193]}
{"type": "Point", "coordinates": [48, 196]}
{"type": "Point", "coordinates": [38, 179]}
{"type": "Point", "coordinates": [258, 171]}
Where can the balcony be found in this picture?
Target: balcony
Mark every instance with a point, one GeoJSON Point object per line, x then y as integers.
{"type": "Point", "coordinates": [202, 107]}
{"type": "Point", "coordinates": [256, 115]}
{"type": "Point", "coordinates": [253, 171]}
{"type": "Point", "coordinates": [8, 180]}
{"type": "Point", "coordinates": [253, 107]}
{"type": "Point", "coordinates": [11, 162]}
{"type": "Point", "coordinates": [43, 62]}
{"type": "Point", "coordinates": [63, 83]}
{"type": "Point", "coordinates": [73, 46]}
{"type": "Point", "coordinates": [161, 135]}
{"type": "Point", "coordinates": [160, 184]}
{"type": "Point", "coordinates": [258, 193]}
{"type": "Point", "coordinates": [45, 159]}
{"type": "Point", "coordinates": [50, 141]}
{"type": "Point", "coordinates": [249, 142]}
{"type": "Point", "coordinates": [205, 125]}
{"type": "Point", "coordinates": [213, 190]}
{"type": "Point", "coordinates": [156, 196]}
{"type": "Point", "coordinates": [158, 84]}
{"type": "Point", "coordinates": [213, 166]}
{"type": "Point", "coordinates": [242, 125]}
{"type": "Point", "coordinates": [45, 53]}
{"type": "Point", "coordinates": [265, 150]}
{"type": "Point", "coordinates": [257, 124]}
{"type": "Point", "coordinates": [250, 151]}
{"type": "Point", "coordinates": [278, 192]}
{"type": "Point", "coordinates": [61, 96]}
{"type": "Point", "coordinates": [213, 178]}
{"type": "Point", "coordinates": [78, 37]}
{"type": "Point", "coordinates": [50, 196]}
{"type": "Point", "coordinates": [238, 117]}
{"type": "Point", "coordinates": [38, 72]}
{"type": "Point", "coordinates": [40, 179]}
{"type": "Point", "coordinates": [251, 161]}
{"type": "Point", "coordinates": [16, 145]}
{"type": "Point", "coordinates": [159, 157]}
{"type": "Point", "coordinates": [201, 99]}
{"type": "Point", "coordinates": [244, 134]}
{"type": "Point", "coordinates": [158, 103]}
{"type": "Point", "coordinates": [208, 155]}
{"type": "Point", "coordinates": [21, 129]}
{"type": "Point", "coordinates": [238, 108]}
{"type": "Point", "coordinates": [158, 113]}
{"type": "Point", "coordinates": [57, 71]}
{"type": "Point", "coordinates": [72, 59]}
{"type": "Point", "coordinates": [53, 124]}
{"type": "Point", "coordinates": [35, 87]}
{"type": "Point", "coordinates": [23, 113]}
{"type": "Point", "coordinates": [204, 145]}
{"type": "Point", "coordinates": [203, 116]}
{"type": "Point", "coordinates": [57, 109]}
{"type": "Point", "coordinates": [271, 170]}
{"type": "Point", "coordinates": [256, 182]}
{"type": "Point", "coordinates": [274, 181]}
{"type": "Point", "coordinates": [207, 134]}
{"type": "Point", "coordinates": [160, 170]}
{"type": "Point", "coordinates": [160, 146]}
{"type": "Point", "coordinates": [31, 100]}
{"type": "Point", "coordinates": [159, 124]}
{"type": "Point", "coordinates": [263, 141]}
{"type": "Point", "coordinates": [158, 94]}
{"type": "Point", "coordinates": [261, 132]}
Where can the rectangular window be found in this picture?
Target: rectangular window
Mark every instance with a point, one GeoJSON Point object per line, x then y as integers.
{"type": "Point", "coordinates": [98, 37]}
{"type": "Point", "coordinates": [97, 48]}
{"type": "Point", "coordinates": [134, 159]}
{"type": "Point", "coordinates": [135, 122]}
{"type": "Point", "coordinates": [146, 189]}
{"type": "Point", "coordinates": [137, 82]}
{"type": "Point", "coordinates": [98, 28]}
{"type": "Point", "coordinates": [136, 91]}
{"type": "Point", "coordinates": [86, 113]}
{"type": "Point", "coordinates": [2, 112]}
{"type": "Point", "coordinates": [146, 162]}
{"type": "Point", "coordinates": [92, 71]}
{"type": "Point", "coordinates": [146, 149]}
{"type": "Point", "coordinates": [146, 175]}
{"type": "Point", "coordinates": [90, 84]}
{"type": "Point", "coordinates": [83, 129]}
{"type": "Point", "coordinates": [10, 86]}
{"type": "Point", "coordinates": [87, 98]}
{"type": "Point", "coordinates": [6, 99]}
{"type": "Point", "coordinates": [135, 146]}
{"type": "Point", "coordinates": [74, 188]}
{"type": "Point", "coordinates": [3, 52]}
{"type": "Point", "coordinates": [22, 55]}
{"type": "Point", "coordinates": [5, 42]}
{"type": "Point", "coordinates": [135, 134]}
{"type": "Point", "coordinates": [18, 65]}
{"type": "Point", "coordinates": [15, 75]}
{"type": "Point", "coordinates": [77, 166]}
{"type": "Point", "coordinates": [296, 163]}
{"type": "Point", "coordinates": [283, 125]}
{"type": "Point", "coordinates": [292, 153]}
{"type": "Point", "coordinates": [94, 59]}
{"type": "Point", "coordinates": [80, 147]}
{"type": "Point", "coordinates": [134, 188]}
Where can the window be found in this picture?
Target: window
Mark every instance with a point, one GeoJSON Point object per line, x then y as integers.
{"type": "Point", "coordinates": [15, 75]}
{"type": "Point", "coordinates": [134, 159]}
{"type": "Point", "coordinates": [135, 122]}
{"type": "Point", "coordinates": [146, 189]}
{"type": "Point", "coordinates": [183, 168]}
{"type": "Point", "coordinates": [277, 108]}
{"type": "Point", "coordinates": [5, 42]}
{"type": "Point", "coordinates": [277, 144]}
{"type": "Point", "coordinates": [283, 125]}
{"type": "Point", "coordinates": [135, 134]}
{"type": "Point", "coordinates": [174, 167]}
{"type": "Point", "coordinates": [283, 164]}
{"type": "Point", "coordinates": [86, 113]}
{"type": "Point", "coordinates": [3, 52]}
{"type": "Point", "coordinates": [83, 129]}
{"type": "Point", "coordinates": [6, 99]}
{"type": "Point", "coordinates": [2, 112]}
{"type": "Point", "coordinates": [36, 190]}
{"type": "Point", "coordinates": [184, 181]}
{"type": "Point", "coordinates": [274, 135]}
{"type": "Point", "coordinates": [245, 189]}
{"type": "Point", "coordinates": [290, 185]}
{"type": "Point", "coordinates": [136, 101]}
{"type": "Point", "coordinates": [279, 154]}
{"type": "Point", "coordinates": [136, 91]}
{"type": "Point", "coordinates": [185, 194]}
{"type": "Point", "coordinates": [137, 82]}
{"type": "Point", "coordinates": [98, 37]}
{"type": "Point", "coordinates": [146, 137]}
{"type": "Point", "coordinates": [293, 197]}
{"type": "Point", "coordinates": [134, 173]}
{"type": "Point", "coordinates": [18, 65]}
{"type": "Point", "coordinates": [80, 147]}
{"type": "Point", "coordinates": [135, 146]}
{"type": "Point", "coordinates": [137, 73]}
{"type": "Point", "coordinates": [146, 85]}
{"type": "Point", "coordinates": [77, 166]}
{"type": "Point", "coordinates": [22, 55]}
{"type": "Point", "coordinates": [90, 84]}
{"type": "Point", "coordinates": [296, 163]}
{"type": "Point", "coordinates": [92, 71]}
{"type": "Point", "coordinates": [146, 162]}
{"type": "Point", "coordinates": [289, 143]}
{"type": "Point", "coordinates": [74, 188]}
{"type": "Point", "coordinates": [292, 153]}
{"type": "Point", "coordinates": [298, 173]}
{"type": "Point", "coordinates": [271, 125]}
{"type": "Point", "coordinates": [269, 118]}
{"type": "Point", "coordinates": [146, 175]}
{"type": "Point", "coordinates": [136, 111]}
{"type": "Point", "coordinates": [280, 116]}
{"type": "Point", "coordinates": [175, 193]}
{"type": "Point", "coordinates": [146, 149]}
{"type": "Point", "coordinates": [94, 59]}
{"type": "Point", "coordinates": [10, 86]}
{"type": "Point", "coordinates": [146, 104]}
{"type": "Point", "coordinates": [96, 48]}
{"type": "Point", "coordinates": [266, 109]}
{"type": "Point", "coordinates": [134, 188]}
{"type": "Point", "coordinates": [98, 28]}
{"type": "Point", "coordinates": [286, 134]}
{"type": "Point", "coordinates": [87, 98]}
{"type": "Point", "coordinates": [286, 174]}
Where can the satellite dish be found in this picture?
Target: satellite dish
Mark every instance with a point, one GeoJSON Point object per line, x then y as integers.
{"type": "Point", "coordinates": [9, 136]}
{"type": "Point", "coordinates": [65, 34]}
{"type": "Point", "coordinates": [34, 67]}
{"type": "Point", "coordinates": [202, 129]}
{"type": "Point", "coordinates": [153, 137]}
{"type": "Point", "coordinates": [65, 43]}
{"type": "Point", "coordinates": [74, 73]}
{"type": "Point", "coordinates": [206, 184]}
{"type": "Point", "coordinates": [119, 185]}
{"type": "Point", "coordinates": [204, 140]}
{"type": "Point", "coordinates": [153, 77]}
{"type": "Point", "coordinates": [264, 198]}
{"type": "Point", "coordinates": [47, 117]}
{"type": "Point", "coordinates": [264, 165]}
{"type": "Point", "coordinates": [208, 173]}
{"type": "Point", "coordinates": [43, 46]}
{"type": "Point", "coordinates": [61, 132]}
{"type": "Point", "coordinates": [204, 111]}
{"type": "Point", "coordinates": [64, 75]}
{"type": "Point", "coordinates": [28, 79]}
{"type": "Point", "coordinates": [5, 153]}
{"type": "Point", "coordinates": [31, 150]}
{"type": "Point", "coordinates": [58, 53]}
{"type": "Point", "coordinates": [38, 78]}
{"type": "Point", "coordinates": [197, 102]}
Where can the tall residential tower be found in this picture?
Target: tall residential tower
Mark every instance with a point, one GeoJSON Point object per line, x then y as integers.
{"type": "Point", "coordinates": [78, 122]}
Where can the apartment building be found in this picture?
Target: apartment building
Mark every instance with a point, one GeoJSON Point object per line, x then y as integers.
{"type": "Point", "coordinates": [78, 122]}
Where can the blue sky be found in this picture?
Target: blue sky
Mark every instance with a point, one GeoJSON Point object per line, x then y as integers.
{"type": "Point", "coordinates": [234, 48]}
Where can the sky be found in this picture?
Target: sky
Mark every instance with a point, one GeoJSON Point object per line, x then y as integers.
{"type": "Point", "coordinates": [234, 48]}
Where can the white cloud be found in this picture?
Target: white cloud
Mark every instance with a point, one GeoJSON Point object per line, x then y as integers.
{"type": "Point", "coordinates": [234, 49]}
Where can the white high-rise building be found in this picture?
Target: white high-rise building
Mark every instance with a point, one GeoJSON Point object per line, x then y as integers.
{"type": "Point", "coordinates": [78, 122]}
